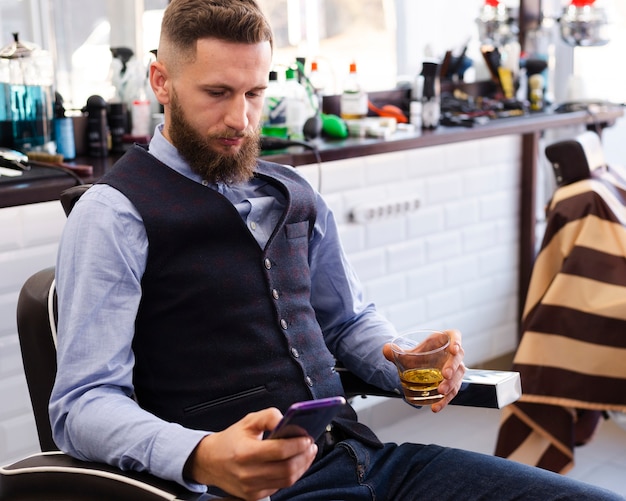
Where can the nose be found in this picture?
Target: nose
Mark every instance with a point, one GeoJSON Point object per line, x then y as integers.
{"type": "Point", "coordinates": [236, 116]}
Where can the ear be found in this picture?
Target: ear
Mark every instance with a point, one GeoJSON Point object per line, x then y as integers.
{"type": "Point", "coordinates": [160, 82]}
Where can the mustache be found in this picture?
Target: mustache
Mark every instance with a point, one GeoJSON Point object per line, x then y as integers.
{"type": "Point", "coordinates": [230, 134]}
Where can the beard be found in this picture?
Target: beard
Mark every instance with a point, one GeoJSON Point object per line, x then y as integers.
{"type": "Point", "coordinates": [213, 165]}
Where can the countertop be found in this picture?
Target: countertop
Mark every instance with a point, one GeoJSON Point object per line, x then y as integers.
{"type": "Point", "coordinates": [41, 184]}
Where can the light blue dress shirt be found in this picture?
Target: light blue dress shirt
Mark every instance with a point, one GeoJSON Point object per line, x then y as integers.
{"type": "Point", "coordinates": [101, 260]}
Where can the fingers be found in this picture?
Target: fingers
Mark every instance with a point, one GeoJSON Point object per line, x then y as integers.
{"type": "Point", "coordinates": [453, 371]}
{"type": "Point", "coordinates": [241, 463]}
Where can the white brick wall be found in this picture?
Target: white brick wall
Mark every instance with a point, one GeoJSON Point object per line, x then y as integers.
{"type": "Point", "coordinates": [451, 263]}
{"type": "Point", "coordinates": [28, 243]}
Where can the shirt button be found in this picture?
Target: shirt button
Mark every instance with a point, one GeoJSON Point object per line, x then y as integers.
{"type": "Point", "coordinates": [252, 225]}
{"type": "Point", "coordinates": [267, 263]}
{"type": "Point", "coordinates": [294, 353]}
{"type": "Point", "coordinates": [274, 293]}
{"type": "Point", "coordinates": [308, 380]}
{"type": "Point", "coordinates": [283, 323]}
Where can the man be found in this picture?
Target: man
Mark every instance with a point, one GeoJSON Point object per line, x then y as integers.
{"type": "Point", "coordinates": [201, 292]}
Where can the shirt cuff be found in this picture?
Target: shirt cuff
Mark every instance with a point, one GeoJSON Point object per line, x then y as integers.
{"type": "Point", "coordinates": [172, 449]}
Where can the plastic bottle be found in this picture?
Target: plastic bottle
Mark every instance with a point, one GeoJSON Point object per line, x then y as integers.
{"type": "Point", "coordinates": [298, 105]}
{"type": "Point", "coordinates": [63, 130]}
{"type": "Point", "coordinates": [274, 118]}
{"type": "Point", "coordinates": [141, 115]}
{"type": "Point", "coordinates": [97, 127]}
{"type": "Point", "coordinates": [318, 82]}
{"type": "Point", "coordinates": [117, 117]}
{"type": "Point", "coordinates": [353, 104]}
{"type": "Point", "coordinates": [431, 95]}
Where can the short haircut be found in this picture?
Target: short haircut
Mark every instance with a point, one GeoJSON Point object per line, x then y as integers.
{"type": "Point", "coordinates": [187, 21]}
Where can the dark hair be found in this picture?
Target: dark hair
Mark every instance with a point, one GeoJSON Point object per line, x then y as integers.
{"type": "Point", "coordinates": [187, 21]}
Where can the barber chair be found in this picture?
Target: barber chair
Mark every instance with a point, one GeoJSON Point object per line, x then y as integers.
{"type": "Point", "coordinates": [54, 476]}
{"type": "Point", "coordinates": [575, 159]}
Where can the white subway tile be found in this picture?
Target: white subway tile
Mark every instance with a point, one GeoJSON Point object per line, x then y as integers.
{"type": "Point", "coordinates": [444, 302]}
{"type": "Point", "coordinates": [425, 161]}
{"type": "Point", "coordinates": [43, 223]}
{"type": "Point", "coordinates": [443, 188]}
{"type": "Point", "coordinates": [342, 175]}
{"type": "Point", "coordinates": [500, 205]}
{"type": "Point", "coordinates": [443, 246]}
{"type": "Point", "coordinates": [10, 356]}
{"type": "Point", "coordinates": [18, 438]}
{"type": "Point", "coordinates": [426, 221]}
{"type": "Point", "coordinates": [500, 149]}
{"type": "Point", "coordinates": [386, 290]}
{"type": "Point", "coordinates": [425, 280]}
{"type": "Point", "coordinates": [405, 255]}
{"type": "Point", "coordinates": [8, 302]}
{"type": "Point", "coordinates": [479, 236]}
{"type": "Point", "coordinates": [369, 264]}
{"type": "Point", "coordinates": [407, 315]}
{"type": "Point", "coordinates": [386, 168]}
{"type": "Point", "coordinates": [497, 259]}
{"type": "Point", "coordinates": [14, 396]}
{"type": "Point", "coordinates": [464, 155]}
{"type": "Point", "coordinates": [481, 180]}
{"type": "Point", "coordinates": [11, 229]}
{"type": "Point", "coordinates": [385, 232]}
{"type": "Point", "coordinates": [461, 213]}
{"type": "Point", "coordinates": [462, 271]}
{"type": "Point", "coordinates": [352, 237]}
{"type": "Point", "coordinates": [17, 266]}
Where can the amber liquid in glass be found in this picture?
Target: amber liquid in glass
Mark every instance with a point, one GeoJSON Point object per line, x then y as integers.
{"type": "Point", "coordinates": [420, 385]}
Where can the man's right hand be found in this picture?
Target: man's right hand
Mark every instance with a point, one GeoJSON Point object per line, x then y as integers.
{"type": "Point", "coordinates": [240, 462]}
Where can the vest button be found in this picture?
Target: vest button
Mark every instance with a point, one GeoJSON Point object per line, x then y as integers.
{"type": "Point", "coordinates": [294, 353]}
{"type": "Point", "coordinates": [308, 380]}
{"type": "Point", "coordinates": [267, 263]}
{"type": "Point", "coordinates": [274, 293]}
{"type": "Point", "coordinates": [283, 323]}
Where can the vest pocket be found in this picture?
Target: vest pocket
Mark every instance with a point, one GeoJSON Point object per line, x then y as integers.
{"type": "Point", "coordinates": [297, 230]}
{"type": "Point", "coordinates": [229, 399]}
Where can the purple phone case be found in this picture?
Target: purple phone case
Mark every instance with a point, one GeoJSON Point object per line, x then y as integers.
{"type": "Point", "coordinates": [308, 418]}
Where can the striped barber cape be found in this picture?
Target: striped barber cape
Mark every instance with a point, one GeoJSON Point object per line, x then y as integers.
{"type": "Point", "coordinates": [572, 355]}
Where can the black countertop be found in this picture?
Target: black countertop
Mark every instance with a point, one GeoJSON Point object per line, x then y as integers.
{"type": "Point", "coordinates": [42, 184]}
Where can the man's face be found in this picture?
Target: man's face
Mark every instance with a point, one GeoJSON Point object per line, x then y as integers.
{"type": "Point", "coordinates": [213, 107]}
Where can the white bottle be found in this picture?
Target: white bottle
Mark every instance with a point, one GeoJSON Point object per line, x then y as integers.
{"type": "Point", "coordinates": [318, 82]}
{"type": "Point", "coordinates": [298, 105]}
{"type": "Point", "coordinates": [353, 104]}
{"type": "Point", "coordinates": [274, 118]}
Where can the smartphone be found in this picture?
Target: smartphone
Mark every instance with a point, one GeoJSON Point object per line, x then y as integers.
{"type": "Point", "coordinates": [308, 418]}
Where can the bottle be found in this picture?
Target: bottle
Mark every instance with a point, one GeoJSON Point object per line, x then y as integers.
{"type": "Point", "coordinates": [27, 77]}
{"type": "Point", "coordinates": [274, 117]}
{"type": "Point", "coordinates": [117, 117]}
{"type": "Point", "coordinates": [353, 103]}
{"type": "Point", "coordinates": [141, 115]}
{"type": "Point", "coordinates": [298, 107]}
{"type": "Point", "coordinates": [431, 100]}
{"type": "Point", "coordinates": [97, 127]}
{"type": "Point", "coordinates": [318, 82]}
{"type": "Point", "coordinates": [63, 130]}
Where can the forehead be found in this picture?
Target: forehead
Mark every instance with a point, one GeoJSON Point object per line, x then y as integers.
{"type": "Point", "coordinates": [227, 58]}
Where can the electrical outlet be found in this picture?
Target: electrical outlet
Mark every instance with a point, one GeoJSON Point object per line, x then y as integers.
{"type": "Point", "coordinates": [370, 212]}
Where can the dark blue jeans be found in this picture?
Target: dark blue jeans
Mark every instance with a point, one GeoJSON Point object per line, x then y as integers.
{"type": "Point", "coordinates": [407, 472]}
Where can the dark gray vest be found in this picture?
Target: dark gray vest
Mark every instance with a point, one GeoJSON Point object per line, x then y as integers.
{"type": "Point", "coordinates": [224, 327]}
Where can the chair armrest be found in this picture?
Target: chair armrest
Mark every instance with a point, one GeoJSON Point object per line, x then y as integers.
{"type": "Point", "coordinates": [480, 388]}
{"type": "Point", "coordinates": [54, 475]}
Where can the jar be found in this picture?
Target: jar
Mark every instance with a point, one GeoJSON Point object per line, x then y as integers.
{"type": "Point", "coordinates": [27, 97]}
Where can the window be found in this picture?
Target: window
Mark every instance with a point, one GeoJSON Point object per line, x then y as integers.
{"type": "Point", "coordinates": [335, 33]}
